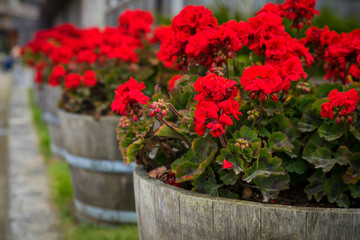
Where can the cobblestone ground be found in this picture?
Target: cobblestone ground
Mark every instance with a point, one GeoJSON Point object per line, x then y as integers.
{"type": "Point", "coordinates": [31, 214]}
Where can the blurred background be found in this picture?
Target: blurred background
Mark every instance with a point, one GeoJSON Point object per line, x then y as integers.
{"type": "Point", "coordinates": [19, 19]}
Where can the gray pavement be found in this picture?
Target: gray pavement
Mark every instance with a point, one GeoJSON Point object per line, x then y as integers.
{"type": "Point", "coordinates": [31, 214]}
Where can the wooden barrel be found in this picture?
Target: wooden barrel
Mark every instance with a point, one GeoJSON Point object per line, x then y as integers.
{"type": "Point", "coordinates": [52, 96]}
{"type": "Point", "coordinates": [102, 183]}
{"type": "Point", "coordinates": [167, 212]}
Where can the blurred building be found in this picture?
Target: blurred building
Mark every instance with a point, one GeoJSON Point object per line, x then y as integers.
{"type": "Point", "coordinates": [18, 21]}
{"type": "Point", "coordinates": [85, 13]}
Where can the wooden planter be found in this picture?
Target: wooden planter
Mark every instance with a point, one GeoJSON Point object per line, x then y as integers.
{"type": "Point", "coordinates": [167, 212]}
{"type": "Point", "coordinates": [102, 183]}
{"type": "Point", "coordinates": [52, 96]}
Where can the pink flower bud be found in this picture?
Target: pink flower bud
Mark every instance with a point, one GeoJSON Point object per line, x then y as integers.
{"type": "Point", "coordinates": [163, 112]}
{"type": "Point", "coordinates": [157, 110]}
{"type": "Point", "coordinates": [350, 118]}
{"type": "Point", "coordinates": [135, 118]}
{"type": "Point", "coordinates": [152, 105]}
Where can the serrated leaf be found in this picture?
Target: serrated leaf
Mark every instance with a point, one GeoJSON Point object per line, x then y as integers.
{"type": "Point", "coordinates": [316, 186]}
{"type": "Point", "coordinates": [355, 190]}
{"type": "Point", "coordinates": [271, 186]}
{"type": "Point", "coordinates": [227, 176]}
{"type": "Point", "coordinates": [335, 190]}
{"type": "Point", "coordinates": [279, 142]}
{"type": "Point", "coordinates": [304, 102]}
{"type": "Point", "coordinates": [352, 175]}
{"type": "Point", "coordinates": [247, 134]}
{"type": "Point", "coordinates": [323, 158]}
{"type": "Point", "coordinates": [231, 154]}
{"type": "Point", "coordinates": [280, 123]}
{"type": "Point", "coordinates": [331, 132]}
{"type": "Point", "coordinates": [228, 194]}
{"type": "Point", "coordinates": [206, 183]}
{"type": "Point", "coordinates": [297, 165]}
{"type": "Point", "coordinates": [263, 132]}
{"type": "Point", "coordinates": [132, 150]}
{"type": "Point", "coordinates": [309, 121]}
{"type": "Point", "coordinates": [194, 162]}
{"type": "Point", "coordinates": [355, 132]}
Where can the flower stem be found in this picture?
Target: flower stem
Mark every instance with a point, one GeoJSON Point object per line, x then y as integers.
{"type": "Point", "coordinates": [314, 70]}
{"type": "Point", "coordinates": [174, 109]}
{"type": "Point", "coordinates": [223, 141]}
{"type": "Point", "coordinates": [227, 70]}
{"type": "Point", "coordinates": [261, 113]}
{"type": "Point", "coordinates": [234, 62]}
{"type": "Point", "coordinates": [348, 64]}
{"type": "Point", "coordinates": [297, 33]}
{"type": "Point", "coordinates": [176, 132]}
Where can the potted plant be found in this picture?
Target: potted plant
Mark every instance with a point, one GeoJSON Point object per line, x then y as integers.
{"type": "Point", "coordinates": [275, 154]}
{"type": "Point", "coordinates": [89, 64]}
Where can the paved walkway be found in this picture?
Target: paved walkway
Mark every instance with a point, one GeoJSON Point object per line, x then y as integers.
{"type": "Point", "coordinates": [31, 214]}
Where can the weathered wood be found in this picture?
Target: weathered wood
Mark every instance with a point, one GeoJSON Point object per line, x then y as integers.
{"type": "Point", "coordinates": [53, 96]}
{"type": "Point", "coordinates": [106, 189]}
{"type": "Point", "coordinates": [204, 217]}
{"type": "Point", "coordinates": [86, 137]}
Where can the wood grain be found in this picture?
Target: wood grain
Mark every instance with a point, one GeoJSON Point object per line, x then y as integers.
{"type": "Point", "coordinates": [168, 213]}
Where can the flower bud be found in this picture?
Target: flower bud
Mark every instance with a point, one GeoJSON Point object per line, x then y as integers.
{"type": "Point", "coordinates": [350, 118]}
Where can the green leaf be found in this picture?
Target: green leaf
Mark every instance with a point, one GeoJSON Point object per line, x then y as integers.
{"type": "Point", "coordinates": [165, 131]}
{"type": "Point", "coordinates": [325, 88]}
{"type": "Point", "coordinates": [271, 186]}
{"type": "Point", "coordinates": [316, 106]}
{"type": "Point", "coordinates": [227, 176]}
{"type": "Point", "coordinates": [335, 190]}
{"type": "Point", "coordinates": [182, 96]}
{"type": "Point", "coordinates": [309, 121]}
{"type": "Point", "coordinates": [263, 132]}
{"type": "Point", "coordinates": [133, 149]}
{"type": "Point", "coordinates": [231, 154]}
{"type": "Point", "coordinates": [279, 142]}
{"type": "Point", "coordinates": [355, 132]}
{"type": "Point", "coordinates": [304, 102]}
{"type": "Point", "coordinates": [323, 158]}
{"type": "Point", "coordinates": [228, 194]}
{"type": "Point", "coordinates": [355, 190]}
{"type": "Point", "coordinates": [206, 183]}
{"type": "Point", "coordinates": [331, 132]}
{"type": "Point", "coordinates": [297, 165]}
{"type": "Point", "coordinates": [247, 134]}
{"type": "Point", "coordinates": [194, 162]}
{"type": "Point", "coordinates": [271, 107]}
{"type": "Point", "coordinates": [316, 186]}
{"type": "Point", "coordinates": [352, 175]}
{"type": "Point", "coordinates": [280, 123]}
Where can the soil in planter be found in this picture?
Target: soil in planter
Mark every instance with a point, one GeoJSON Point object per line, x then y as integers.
{"type": "Point", "coordinates": [295, 196]}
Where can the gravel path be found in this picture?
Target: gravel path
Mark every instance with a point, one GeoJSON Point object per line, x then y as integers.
{"type": "Point", "coordinates": [31, 215]}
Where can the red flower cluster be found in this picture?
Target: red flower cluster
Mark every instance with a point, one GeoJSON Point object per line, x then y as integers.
{"type": "Point", "coordinates": [190, 21]}
{"type": "Point", "coordinates": [58, 72]}
{"type": "Point", "coordinates": [215, 104]}
{"type": "Point", "coordinates": [136, 22]}
{"type": "Point", "coordinates": [341, 55]}
{"type": "Point", "coordinates": [299, 11]}
{"type": "Point", "coordinates": [262, 80]}
{"type": "Point", "coordinates": [340, 105]}
{"type": "Point", "coordinates": [318, 40]}
{"type": "Point", "coordinates": [74, 80]}
{"type": "Point", "coordinates": [81, 49]}
{"type": "Point", "coordinates": [129, 99]}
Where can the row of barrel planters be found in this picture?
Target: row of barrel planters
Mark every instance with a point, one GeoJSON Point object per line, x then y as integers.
{"type": "Point", "coordinates": [276, 156]}
{"type": "Point", "coordinates": [76, 74]}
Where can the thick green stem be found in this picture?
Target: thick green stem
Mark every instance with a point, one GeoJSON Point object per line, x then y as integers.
{"type": "Point", "coordinates": [261, 113]}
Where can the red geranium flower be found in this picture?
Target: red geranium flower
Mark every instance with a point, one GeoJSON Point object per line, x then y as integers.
{"type": "Point", "coordinates": [128, 96]}
{"type": "Point", "coordinates": [72, 80]}
{"type": "Point", "coordinates": [261, 79]}
{"type": "Point", "coordinates": [173, 80]}
{"type": "Point", "coordinates": [58, 72]}
{"type": "Point", "coordinates": [340, 104]}
{"type": "Point", "coordinates": [90, 78]}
